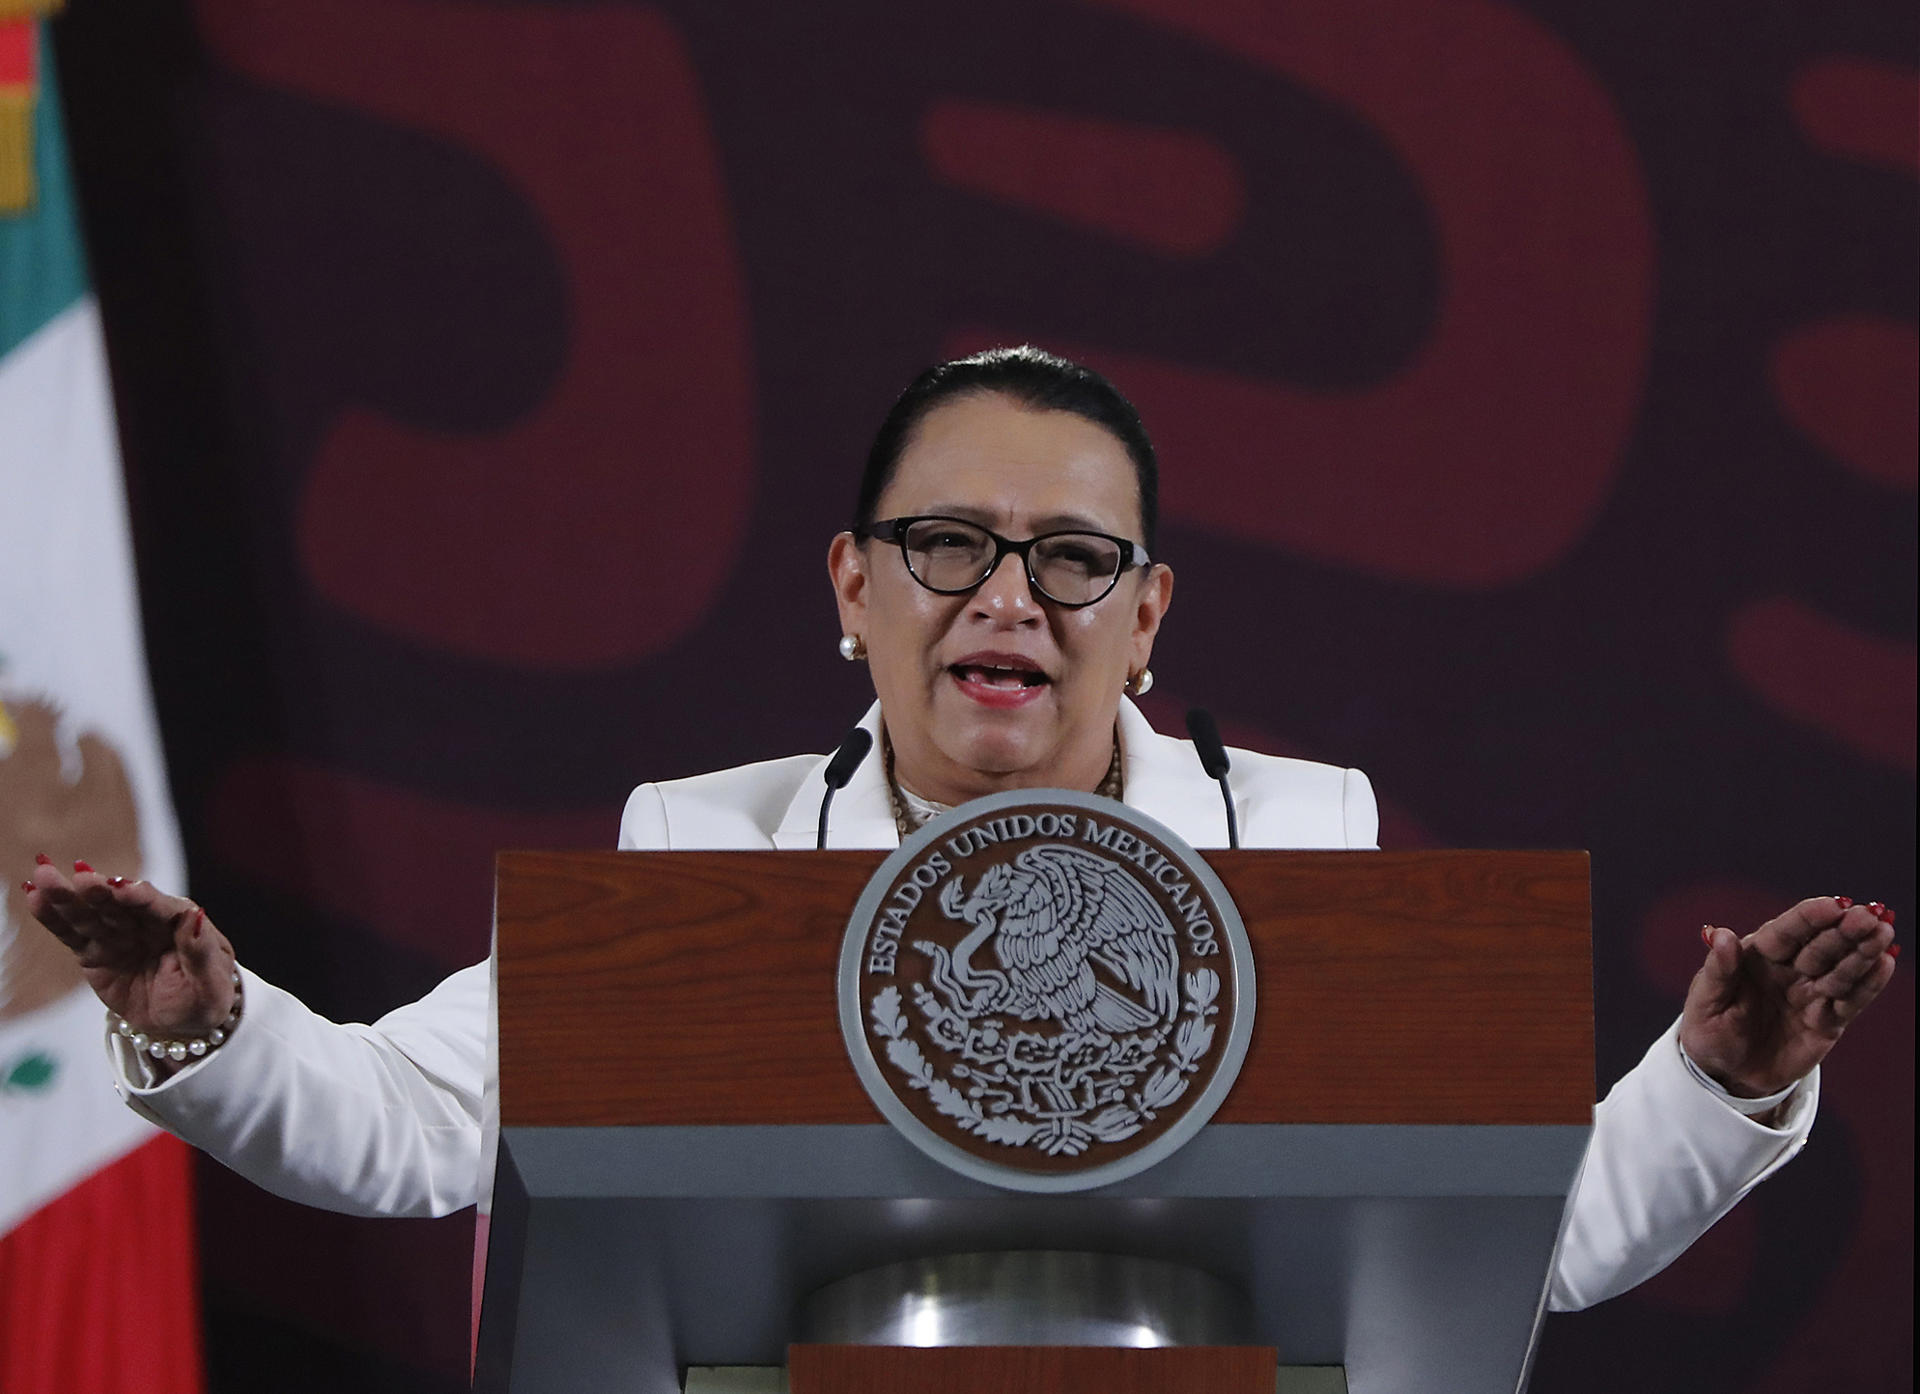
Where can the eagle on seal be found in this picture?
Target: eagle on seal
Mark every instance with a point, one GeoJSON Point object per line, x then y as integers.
{"type": "Point", "coordinates": [1053, 913]}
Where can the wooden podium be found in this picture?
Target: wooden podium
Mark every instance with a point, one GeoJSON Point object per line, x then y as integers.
{"type": "Point", "coordinates": [686, 1151]}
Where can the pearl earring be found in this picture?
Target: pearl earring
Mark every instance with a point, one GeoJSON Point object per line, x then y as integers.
{"type": "Point", "coordinates": [1140, 684]}
{"type": "Point", "coordinates": [852, 647]}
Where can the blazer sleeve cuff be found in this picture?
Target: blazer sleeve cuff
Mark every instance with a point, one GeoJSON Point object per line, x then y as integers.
{"type": "Point", "coordinates": [367, 1120]}
{"type": "Point", "coordinates": [147, 1094]}
{"type": "Point", "coordinates": [1667, 1159]}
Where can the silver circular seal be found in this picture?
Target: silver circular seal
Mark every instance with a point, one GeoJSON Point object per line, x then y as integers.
{"type": "Point", "coordinates": [1046, 990]}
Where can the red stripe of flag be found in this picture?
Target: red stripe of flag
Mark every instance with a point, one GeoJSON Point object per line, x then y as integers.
{"type": "Point", "coordinates": [99, 1292]}
{"type": "Point", "coordinates": [16, 53]}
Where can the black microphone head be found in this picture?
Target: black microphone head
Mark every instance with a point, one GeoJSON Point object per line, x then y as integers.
{"type": "Point", "coordinates": [1206, 741]}
{"type": "Point", "coordinates": [848, 757]}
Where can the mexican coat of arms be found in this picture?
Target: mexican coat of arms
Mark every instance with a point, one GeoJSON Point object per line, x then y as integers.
{"type": "Point", "coordinates": [1046, 990]}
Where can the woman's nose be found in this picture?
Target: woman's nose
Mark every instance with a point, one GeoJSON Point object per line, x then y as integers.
{"type": "Point", "coordinates": [1006, 593]}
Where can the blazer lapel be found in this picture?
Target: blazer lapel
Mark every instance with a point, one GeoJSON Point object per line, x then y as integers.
{"type": "Point", "coordinates": [862, 814]}
{"type": "Point", "coordinates": [1162, 775]}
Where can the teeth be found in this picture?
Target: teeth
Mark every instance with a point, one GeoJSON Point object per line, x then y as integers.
{"type": "Point", "coordinates": [995, 675]}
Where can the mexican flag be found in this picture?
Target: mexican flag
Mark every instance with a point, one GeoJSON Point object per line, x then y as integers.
{"type": "Point", "coordinates": [98, 1285]}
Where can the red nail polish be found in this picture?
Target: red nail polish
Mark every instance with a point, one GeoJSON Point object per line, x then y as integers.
{"type": "Point", "coordinates": [42, 859]}
{"type": "Point", "coordinates": [81, 866]}
{"type": "Point", "coordinates": [1845, 902]}
{"type": "Point", "coordinates": [1706, 935]}
{"type": "Point", "coordinates": [116, 880]}
{"type": "Point", "coordinates": [1886, 914]}
{"type": "Point", "coordinates": [28, 887]}
{"type": "Point", "coordinates": [1893, 951]}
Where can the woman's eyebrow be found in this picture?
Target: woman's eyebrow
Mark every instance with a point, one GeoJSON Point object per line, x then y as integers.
{"type": "Point", "coordinates": [1055, 522]}
{"type": "Point", "coordinates": [965, 512]}
{"type": "Point", "coordinates": [1069, 522]}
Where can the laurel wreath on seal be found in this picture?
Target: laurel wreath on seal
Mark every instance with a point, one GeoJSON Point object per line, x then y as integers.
{"type": "Point", "coordinates": [1059, 1094]}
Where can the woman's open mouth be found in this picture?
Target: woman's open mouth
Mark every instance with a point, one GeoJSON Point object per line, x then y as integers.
{"type": "Point", "coordinates": [999, 680]}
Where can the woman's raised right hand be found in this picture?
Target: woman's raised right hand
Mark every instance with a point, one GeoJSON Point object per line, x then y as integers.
{"type": "Point", "coordinates": [155, 959]}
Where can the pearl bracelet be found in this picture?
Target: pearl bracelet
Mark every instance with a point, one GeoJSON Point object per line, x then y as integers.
{"type": "Point", "coordinates": [194, 1047]}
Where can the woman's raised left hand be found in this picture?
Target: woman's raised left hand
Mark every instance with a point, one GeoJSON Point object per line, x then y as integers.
{"type": "Point", "coordinates": [1765, 1009]}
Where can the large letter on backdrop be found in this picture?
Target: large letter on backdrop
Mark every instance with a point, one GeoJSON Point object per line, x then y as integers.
{"type": "Point", "coordinates": [1485, 458]}
{"type": "Point", "coordinates": [598, 530]}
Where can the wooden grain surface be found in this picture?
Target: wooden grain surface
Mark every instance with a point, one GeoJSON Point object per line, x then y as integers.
{"type": "Point", "coordinates": [1031, 1370]}
{"type": "Point", "coordinates": [698, 987]}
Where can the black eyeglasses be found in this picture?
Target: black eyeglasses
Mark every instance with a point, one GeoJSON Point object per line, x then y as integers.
{"type": "Point", "coordinates": [952, 556]}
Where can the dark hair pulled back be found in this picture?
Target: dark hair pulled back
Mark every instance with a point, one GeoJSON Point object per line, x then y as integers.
{"type": "Point", "coordinates": [1032, 378]}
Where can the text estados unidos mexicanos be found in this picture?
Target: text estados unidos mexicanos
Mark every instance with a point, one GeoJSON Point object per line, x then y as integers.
{"type": "Point", "coordinates": [1188, 905]}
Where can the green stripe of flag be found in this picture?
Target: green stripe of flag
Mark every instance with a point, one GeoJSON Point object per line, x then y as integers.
{"type": "Point", "coordinates": [42, 268]}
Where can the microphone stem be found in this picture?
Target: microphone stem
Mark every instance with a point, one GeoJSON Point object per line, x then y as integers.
{"type": "Point", "coordinates": [1233, 821]}
{"type": "Point", "coordinates": [846, 759]}
{"type": "Point", "coordinates": [820, 838]}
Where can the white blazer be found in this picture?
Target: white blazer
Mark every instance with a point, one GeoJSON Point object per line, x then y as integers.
{"type": "Point", "coordinates": [389, 1119]}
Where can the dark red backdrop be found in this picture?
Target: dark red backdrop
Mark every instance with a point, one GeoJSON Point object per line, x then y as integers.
{"type": "Point", "coordinates": [1535, 384]}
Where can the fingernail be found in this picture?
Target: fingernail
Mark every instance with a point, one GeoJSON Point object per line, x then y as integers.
{"type": "Point", "coordinates": [1877, 908]}
{"type": "Point", "coordinates": [81, 866]}
{"type": "Point", "coordinates": [1893, 951]}
{"type": "Point", "coordinates": [1845, 902]}
{"type": "Point", "coordinates": [1706, 935]}
{"type": "Point", "coordinates": [116, 880]}
{"type": "Point", "coordinates": [1886, 914]}
{"type": "Point", "coordinates": [28, 887]}
{"type": "Point", "coordinates": [42, 859]}
{"type": "Point", "coordinates": [199, 922]}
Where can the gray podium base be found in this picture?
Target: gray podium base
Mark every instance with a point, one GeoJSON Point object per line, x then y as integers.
{"type": "Point", "coordinates": [772, 1379]}
{"type": "Point", "coordinates": [1415, 1257]}
{"type": "Point", "coordinates": [1028, 1297]}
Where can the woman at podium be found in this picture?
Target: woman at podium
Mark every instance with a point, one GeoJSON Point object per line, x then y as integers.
{"type": "Point", "coordinates": [1000, 581]}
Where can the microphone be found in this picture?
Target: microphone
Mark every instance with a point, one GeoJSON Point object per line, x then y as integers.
{"type": "Point", "coordinates": [1213, 759]}
{"type": "Point", "coordinates": [839, 770]}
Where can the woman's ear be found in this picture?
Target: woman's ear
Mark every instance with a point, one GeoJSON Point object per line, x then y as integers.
{"type": "Point", "coordinates": [847, 569]}
{"type": "Point", "coordinates": [1149, 608]}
